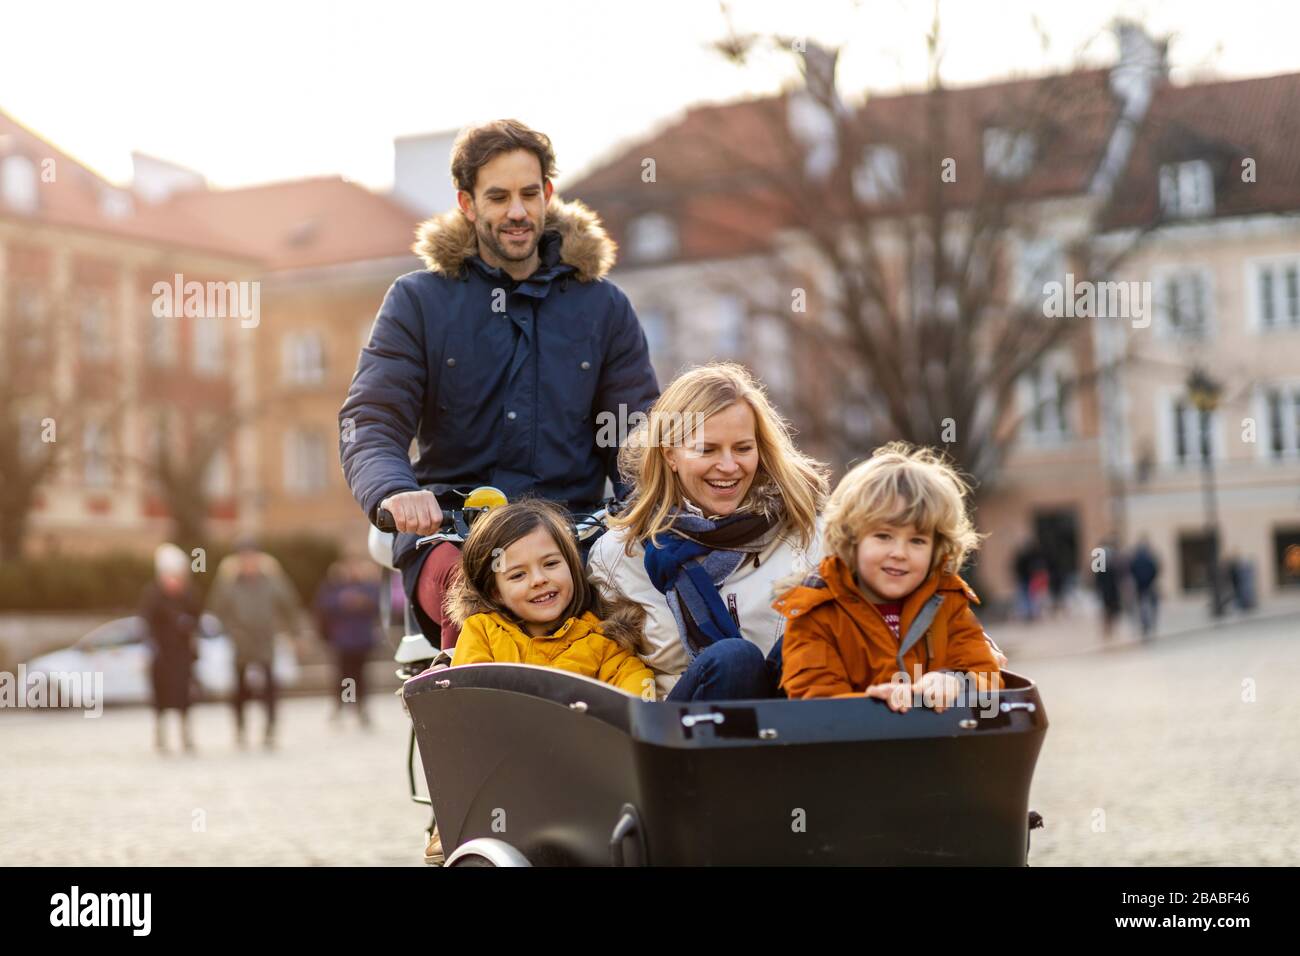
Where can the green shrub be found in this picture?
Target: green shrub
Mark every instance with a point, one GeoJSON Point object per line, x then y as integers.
{"type": "Point", "coordinates": [109, 582]}
{"type": "Point", "coordinates": [112, 583]}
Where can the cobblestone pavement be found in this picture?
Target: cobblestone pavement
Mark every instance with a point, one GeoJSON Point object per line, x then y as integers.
{"type": "Point", "coordinates": [1152, 757]}
{"type": "Point", "coordinates": [77, 791]}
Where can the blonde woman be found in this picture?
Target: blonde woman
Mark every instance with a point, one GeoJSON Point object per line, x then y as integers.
{"type": "Point", "coordinates": [723, 506]}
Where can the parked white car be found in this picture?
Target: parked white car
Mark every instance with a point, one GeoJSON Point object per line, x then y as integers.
{"type": "Point", "coordinates": [118, 650]}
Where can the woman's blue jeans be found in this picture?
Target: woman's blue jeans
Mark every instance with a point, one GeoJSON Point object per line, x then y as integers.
{"type": "Point", "coordinates": [733, 669]}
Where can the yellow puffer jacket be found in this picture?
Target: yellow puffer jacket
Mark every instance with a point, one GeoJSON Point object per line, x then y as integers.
{"type": "Point", "coordinates": [577, 646]}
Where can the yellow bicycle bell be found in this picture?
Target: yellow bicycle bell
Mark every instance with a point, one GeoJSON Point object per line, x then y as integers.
{"type": "Point", "coordinates": [485, 497]}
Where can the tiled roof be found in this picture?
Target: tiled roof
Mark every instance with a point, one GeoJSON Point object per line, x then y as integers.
{"type": "Point", "coordinates": [1223, 122]}
{"type": "Point", "coordinates": [78, 197]}
{"type": "Point", "coordinates": [302, 223]}
{"type": "Point", "coordinates": [299, 223]}
{"type": "Point", "coordinates": [719, 169]}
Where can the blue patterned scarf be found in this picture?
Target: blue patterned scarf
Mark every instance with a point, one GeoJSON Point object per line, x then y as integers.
{"type": "Point", "coordinates": [693, 557]}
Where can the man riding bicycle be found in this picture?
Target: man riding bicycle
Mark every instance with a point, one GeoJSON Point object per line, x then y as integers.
{"type": "Point", "coordinates": [500, 359]}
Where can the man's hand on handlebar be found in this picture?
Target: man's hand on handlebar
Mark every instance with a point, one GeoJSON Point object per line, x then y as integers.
{"type": "Point", "coordinates": [416, 512]}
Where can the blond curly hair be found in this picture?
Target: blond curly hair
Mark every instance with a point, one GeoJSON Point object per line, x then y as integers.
{"type": "Point", "coordinates": [901, 484]}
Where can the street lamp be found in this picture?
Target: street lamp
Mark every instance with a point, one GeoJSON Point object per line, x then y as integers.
{"type": "Point", "coordinates": [1204, 394]}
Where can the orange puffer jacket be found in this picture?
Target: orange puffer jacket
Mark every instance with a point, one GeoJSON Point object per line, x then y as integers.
{"type": "Point", "coordinates": [837, 643]}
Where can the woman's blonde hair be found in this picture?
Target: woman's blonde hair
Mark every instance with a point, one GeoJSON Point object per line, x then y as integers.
{"type": "Point", "coordinates": [475, 592]}
{"type": "Point", "coordinates": [901, 485]}
{"type": "Point", "coordinates": [785, 476]}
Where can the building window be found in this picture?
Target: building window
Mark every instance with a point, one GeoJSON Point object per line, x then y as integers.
{"type": "Point", "coordinates": [651, 236]}
{"type": "Point", "coordinates": [95, 455]}
{"type": "Point", "coordinates": [921, 278]}
{"type": "Point", "coordinates": [1277, 286]}
{"type": "Point", "coordinates": [18, 184]}
{"type": "Point", "coordinates": [306, 458]}
{"type": "Point", "coordinates": [32, 448]}
{"type": "Point", "coordinates": [772, 355]}
{"type": "Point", "coordinates": [1193, 435]}
{"type": "Point", "coordinates": [159, 449]}
{"type": "Point", "coordinates": [1008, 153]}
{"type": "Point", "coordinates": [1044, 392]}
{"type": "Point", "coordinates": [116, 203]}
{"type": "Point", "coordinates": [209, 344]}
{"type": "Point", "coordinates": [30, 327]}
{"type": "Point", "coordinates": [95, 341]}
{"type": "Point", "coordinates": [729, 328]}
{"type": "Point", "coordinates": [1037, 262]}
{"type": "Point", "coordinates": [812, 124]}
{"type": "Point", "coordinates": [216, 477]}
{"type": "Point", "coordinates": [1282, 421]}
{"type": "Point", "coordinates": [1183, 302]}
{"type": "Point", "coordinates": [879, 176]}
{"type": "Point", "coordinates": [1187, 189]}
{"type": "Point", "coordinates": [656, 321]}
{"type": "Point", "coordinates": [161, 339]}
{"type": "Point", "coordinates": [1194, 551]}
{"type": "Point", "coordinates": [304, 358]}
{"type": "Point", "coordinates": [1286, 551]}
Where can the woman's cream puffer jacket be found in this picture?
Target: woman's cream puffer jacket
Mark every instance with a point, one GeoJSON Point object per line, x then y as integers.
{"type": "Point", "coordinates": [661, 648]}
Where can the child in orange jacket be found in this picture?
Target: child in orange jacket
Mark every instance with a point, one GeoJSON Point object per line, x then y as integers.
{"type": "Point", "coordinates": [886, 614]}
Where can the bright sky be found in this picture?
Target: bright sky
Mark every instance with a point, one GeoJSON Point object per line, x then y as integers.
{"type": "Point", "coordinates": [255, 90]}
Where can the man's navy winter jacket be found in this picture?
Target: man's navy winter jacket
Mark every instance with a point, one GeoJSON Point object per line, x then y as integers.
{"type": "Point", "coordinates": [500, 382]}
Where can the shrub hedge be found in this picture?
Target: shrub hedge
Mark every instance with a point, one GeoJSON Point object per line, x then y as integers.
{"type": "Point", "coordinates": [113, 582]}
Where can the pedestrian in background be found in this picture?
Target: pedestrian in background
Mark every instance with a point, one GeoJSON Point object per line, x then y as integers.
{"type": "Point", "coordinates": [347, 616]}
{"type": "Point", "coordinates": [1029, 570]}
{"type": "Point", "coordinates": [170, 609]}
{"type": "Point", "coordinates": [1145, 569]}
{"type": "Point", "coordinates": [255, 601]}
{"type": "Point", "coordinates": [1055, 580]}
{"type": "Point", "coordinates": [1108, 577]}
{"type": "Point", "coordinates": [1241, 580]}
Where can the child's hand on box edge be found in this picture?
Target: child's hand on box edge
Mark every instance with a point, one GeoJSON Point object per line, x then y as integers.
{"type": "Point", "coordinates": [897, 696]}
{"type": "Point", "coordinates": [944, 688]}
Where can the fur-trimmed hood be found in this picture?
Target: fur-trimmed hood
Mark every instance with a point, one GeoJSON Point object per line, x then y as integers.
{"type": "Point", "coordinates": [445, 241]}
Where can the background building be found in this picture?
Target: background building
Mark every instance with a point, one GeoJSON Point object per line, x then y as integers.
{"type": "Point", "coordinates": [91, 377]}
{"type": "Point", "coordinates": [1200, 182]}
{"type": "Point", "coordinates": [1106, 441]}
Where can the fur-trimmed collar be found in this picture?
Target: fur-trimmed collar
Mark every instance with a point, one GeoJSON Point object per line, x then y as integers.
{"type": "Point", "coordinates": [445, 241]}
{"type": "Point", "coordinates": [623, 624]}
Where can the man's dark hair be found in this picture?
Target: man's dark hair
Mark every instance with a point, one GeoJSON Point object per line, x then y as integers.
{"type": "Point", "coordinates": [477, 145]}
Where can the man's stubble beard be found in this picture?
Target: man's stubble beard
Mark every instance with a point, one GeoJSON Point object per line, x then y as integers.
{"type": "Point", "coordinates": [487, 236]}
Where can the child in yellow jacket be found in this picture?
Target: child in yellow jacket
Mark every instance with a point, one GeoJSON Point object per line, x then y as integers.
{"type": "Point", "coordinates": [523, 597]}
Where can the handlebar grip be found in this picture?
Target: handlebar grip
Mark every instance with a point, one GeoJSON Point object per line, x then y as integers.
{"type": "Point", "coordinates": [385, 521]}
